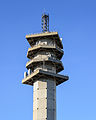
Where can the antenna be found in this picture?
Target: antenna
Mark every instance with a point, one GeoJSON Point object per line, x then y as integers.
{"type": "Point", "coordinates": [45, 22]}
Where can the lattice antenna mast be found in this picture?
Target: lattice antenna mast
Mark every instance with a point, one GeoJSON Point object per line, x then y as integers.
{"type": "Point", "coordinates": [45, 22]}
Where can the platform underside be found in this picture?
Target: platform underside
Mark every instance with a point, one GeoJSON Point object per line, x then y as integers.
{"type": "Point", "coordinates": [44, 74]}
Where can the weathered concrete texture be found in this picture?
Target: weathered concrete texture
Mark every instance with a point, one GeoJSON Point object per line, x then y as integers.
{"type": "Point", "coordinates": [44, 100]}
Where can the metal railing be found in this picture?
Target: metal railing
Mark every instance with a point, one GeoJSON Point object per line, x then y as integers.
{"type": "Point", "coordinates": [42, 57]}
{"type": "Point", "coordinates": [26, 74]}
{"type": "Point", "coordinates": [46, 44]}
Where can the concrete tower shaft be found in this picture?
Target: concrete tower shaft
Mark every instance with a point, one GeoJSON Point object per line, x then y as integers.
{"type": "Point", "coordinates": [44, 99]}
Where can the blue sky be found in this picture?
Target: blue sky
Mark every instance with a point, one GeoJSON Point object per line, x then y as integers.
{"type": "Point", "coordinates": [75, 21]}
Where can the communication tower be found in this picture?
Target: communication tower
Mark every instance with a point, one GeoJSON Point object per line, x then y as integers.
{"type": "Point", "coordinates": [45, 54]}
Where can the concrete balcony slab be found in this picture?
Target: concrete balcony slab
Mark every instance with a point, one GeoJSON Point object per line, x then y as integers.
{"type": "Point", "coordinates": [51, 35]}
{"type": "Point", "coordinates": [33, 50]}
{"type": "Point", "coordinates": [47, 60]}
{"type": "Point", "coordinates": [44, 74]}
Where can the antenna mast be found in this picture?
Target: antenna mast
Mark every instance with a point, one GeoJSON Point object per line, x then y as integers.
{"type": "Point", "coordinates": [45, 22]}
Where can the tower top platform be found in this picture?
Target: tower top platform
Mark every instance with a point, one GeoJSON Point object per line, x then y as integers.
{"type": "Point", "coordinates": [51, 35]}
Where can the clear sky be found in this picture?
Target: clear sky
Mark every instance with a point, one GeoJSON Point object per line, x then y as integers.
{"type": "Point", "coordinates": [75, 21]}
